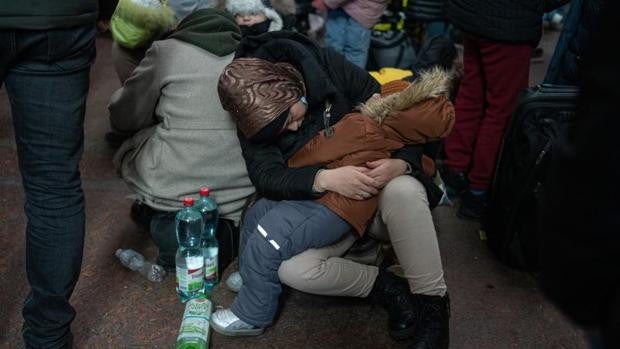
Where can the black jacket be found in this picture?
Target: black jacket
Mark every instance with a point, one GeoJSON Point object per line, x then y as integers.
{"type": "Point", "coordinates": [328, 76]}
{"type": "Point", "coordinates": [579, 26]}
{"type": "Point", "coordinates": [47, 14]}
{"type": "Point", "coordinates": [580, 250]}
{"type": "Point", "coordinates": [516, 21]}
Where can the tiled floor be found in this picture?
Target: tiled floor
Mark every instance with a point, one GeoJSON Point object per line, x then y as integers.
{"type": "Point", "coordinates": [492, 306]}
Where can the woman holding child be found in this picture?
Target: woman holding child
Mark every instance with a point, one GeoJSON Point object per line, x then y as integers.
{"type": "Point", "coordinates": [296, 93]}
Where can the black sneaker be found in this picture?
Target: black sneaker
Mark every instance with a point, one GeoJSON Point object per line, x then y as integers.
{"type": "Point", "coordinates": [392, 292]}
{"type": "Point", "coordinates": [456, 182]}
{"type": "Point", "coordinates": [473, 206]}
{"type": "Point", "coordinates": [433, 329]}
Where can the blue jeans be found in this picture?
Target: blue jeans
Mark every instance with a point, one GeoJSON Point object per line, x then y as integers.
{"type": "Point", "coordinates": [46, 74]}
{"type": "Point", "coordinates": [345, 35]}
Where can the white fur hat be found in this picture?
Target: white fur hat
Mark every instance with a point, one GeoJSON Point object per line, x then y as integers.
{"type": "Point", "coordinates": [236, 7]}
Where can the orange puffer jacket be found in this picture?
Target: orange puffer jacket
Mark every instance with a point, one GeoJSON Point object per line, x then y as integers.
{"type": "Point", "coordinates": [418, 114]}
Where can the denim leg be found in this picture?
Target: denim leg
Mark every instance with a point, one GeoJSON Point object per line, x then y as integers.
{"type": "Point", "coordinates": [289, 228]}
{"type": "Point", "coordinates": [47, 84]}
{"type": "Point", "coordinates": [357, 42]}
{"type": "Point", "coordinates": [335, 30]}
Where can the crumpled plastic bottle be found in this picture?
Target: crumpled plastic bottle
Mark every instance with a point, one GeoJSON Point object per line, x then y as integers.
{"type": "Point", "coordinates": [135, 261]}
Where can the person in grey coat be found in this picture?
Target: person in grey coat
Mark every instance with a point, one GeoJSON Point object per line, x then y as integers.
{"type": "Point", "coordinates": [182, 138]}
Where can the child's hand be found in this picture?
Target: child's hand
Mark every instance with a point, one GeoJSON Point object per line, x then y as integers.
{"type": "Point", "coordinates": [319, 5]}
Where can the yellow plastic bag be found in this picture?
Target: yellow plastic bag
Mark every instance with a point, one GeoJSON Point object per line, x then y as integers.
{"type": "Point", "coordinates": [133, 25]}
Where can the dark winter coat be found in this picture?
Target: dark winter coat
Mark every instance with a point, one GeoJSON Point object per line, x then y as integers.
{"type": "Point", "coordinates": [328, 76]}
{"type": "Point", "coordinates": [515, 21]}
{"type": "Point", "coordinates": [48, 14]}
{"type": "Point", "coordinates": [581, 22]}
{"type": "Point", "coordinates": [580, 238]}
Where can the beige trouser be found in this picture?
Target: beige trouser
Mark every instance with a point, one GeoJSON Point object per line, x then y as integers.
{"type": "Point", "coordinates": [404, 217]}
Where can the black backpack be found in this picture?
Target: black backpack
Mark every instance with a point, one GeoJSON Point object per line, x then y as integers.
{"type": "Point", "coordinates": [513, 219]}
{"type": "Point", "coordinates": [426, 10]}
{"type": "Point", "coordinates": [390, 45]}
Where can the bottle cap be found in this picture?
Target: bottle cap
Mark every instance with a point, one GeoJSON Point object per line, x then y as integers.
{"type": "Point", "coordinates": [188, 202]}
{"type": "Point", "coordinates": [204, 191]}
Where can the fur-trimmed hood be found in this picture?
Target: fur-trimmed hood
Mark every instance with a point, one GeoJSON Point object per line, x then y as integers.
{"type": "Point", "coordinates": [430, 84]}
{"type": "Point", "coordinates": [276, 20]}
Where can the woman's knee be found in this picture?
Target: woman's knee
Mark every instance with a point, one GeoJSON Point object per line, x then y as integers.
{"type": "Point", "coordinates": [297, 271]}
{"type": "Point", "coordinates": [403, 191]}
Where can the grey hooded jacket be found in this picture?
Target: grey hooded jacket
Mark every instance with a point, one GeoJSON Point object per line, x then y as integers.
{"type": "Point", "coordinates": [184, 138]}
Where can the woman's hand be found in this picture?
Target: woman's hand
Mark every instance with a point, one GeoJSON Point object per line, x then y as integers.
{"type": "Point", "coordinates": [384, 170]}
{"type": "Point", "coordinates": [349, 181]}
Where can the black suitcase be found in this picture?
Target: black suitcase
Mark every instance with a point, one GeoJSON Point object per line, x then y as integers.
{"type": "Point", "coordinates": [512, 224]}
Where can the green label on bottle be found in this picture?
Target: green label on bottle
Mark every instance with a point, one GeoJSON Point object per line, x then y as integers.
{"type": "Point", "coordinates": [194, 331]}
{"type": "Point", "coordinates": [191, 279]}
{"type": "Point", "coordinates": [211, 269]}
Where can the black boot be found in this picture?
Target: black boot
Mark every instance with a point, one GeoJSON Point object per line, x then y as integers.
{"type": "Point", "coordinates": [473, 206]}
{"type": "Point", "coordinates": [456, 182]}
{"type": "Point", "coordinates": [392, 292]}
{"type": "Point", "coordinates": [433, 329]}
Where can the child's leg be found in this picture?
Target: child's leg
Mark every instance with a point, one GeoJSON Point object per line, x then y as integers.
{"type": "Point", "coordinates": [250, 220]}
{"type": "Point", "coordinates": [289, 228]}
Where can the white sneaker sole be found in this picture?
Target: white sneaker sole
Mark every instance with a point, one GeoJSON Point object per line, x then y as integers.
{"type": "Point", "coordinates": [236, 333]}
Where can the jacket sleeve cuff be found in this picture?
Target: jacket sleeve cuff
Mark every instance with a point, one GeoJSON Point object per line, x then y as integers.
{"type": "Point", "coordinates": [412, 155]}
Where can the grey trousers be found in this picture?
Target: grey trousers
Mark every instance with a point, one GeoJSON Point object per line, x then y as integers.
{"type": "Point", "coordinates": [274, 231]}
{"type": "Point", "coordinates": [405, 219]}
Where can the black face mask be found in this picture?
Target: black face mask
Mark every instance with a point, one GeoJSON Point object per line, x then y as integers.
{"type": "Point", "coordinates": [256, 29]}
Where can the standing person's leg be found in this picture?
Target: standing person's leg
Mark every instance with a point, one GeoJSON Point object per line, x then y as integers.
{"type": "Point", "coordinates": [356, 43]}
{"type": "Point", "coordinates": [289, 228]}
{"type": "Point", "coordinates": [47, 87]}
{"type": "Point", "coordinates": [405, 216]}
{"type": "Point", "coordinates": [335, 29]}
{"type": "Point", "coordinates": [469, 109]}
{"type": "Point", "coordinates": [506, 68]}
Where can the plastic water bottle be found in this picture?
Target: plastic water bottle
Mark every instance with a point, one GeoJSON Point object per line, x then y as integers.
{"type": "Point", "coordinates": [189, 259]}
{"type": "Point", "coordinates": [135, 261]}
{"type": "Point", "coordinates": [194, 331]}
{"type": "Point", "coordinates": [210, 247]}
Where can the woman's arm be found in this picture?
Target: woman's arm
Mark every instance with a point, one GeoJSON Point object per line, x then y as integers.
{"type": "Point", "coordinates": [272, 177]}
{"type": "Point", "coordinates": [132, 107]}
{"type": "Point", "coordinates": [354, 82]}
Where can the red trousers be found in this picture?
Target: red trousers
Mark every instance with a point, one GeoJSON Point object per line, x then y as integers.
{"type": "Point", "coordinates": [494, 75]}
